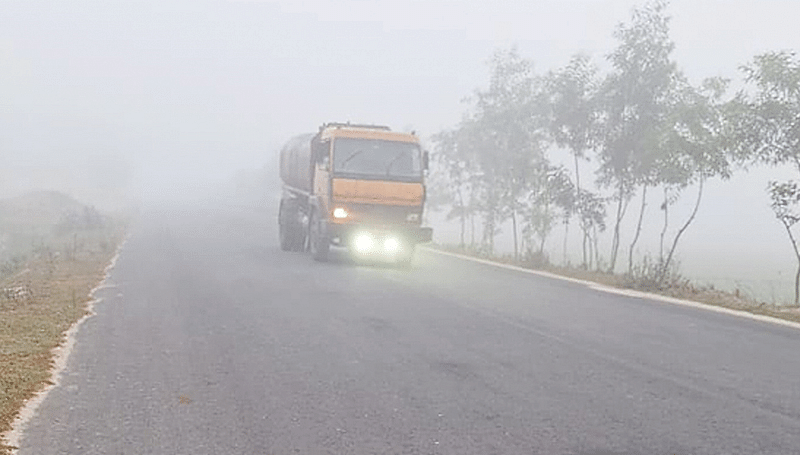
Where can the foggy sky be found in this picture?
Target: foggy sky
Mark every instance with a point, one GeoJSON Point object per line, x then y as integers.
{"type": "Point", "coordinates": [167, 95]}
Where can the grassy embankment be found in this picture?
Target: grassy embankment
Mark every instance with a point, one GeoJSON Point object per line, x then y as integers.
{"type": "Point", "coordinates": [53, 252]}
{"type": "Point", "coordinates": [676, 286]}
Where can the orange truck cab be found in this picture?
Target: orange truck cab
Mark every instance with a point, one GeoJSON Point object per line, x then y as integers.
{"type": "Point", "coordinates": [355, 186]}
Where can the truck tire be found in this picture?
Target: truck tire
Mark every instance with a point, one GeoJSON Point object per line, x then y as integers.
{"type": "Point", "coordinates": [319, 244]}
{"type": "Point", "coordinates": [291, 232]}
{"type": "Point", "coordinates": [286, 242]}
{"type": "Point", "coordinates": [297, 234]}
{"type": "Point", "coordinates": [284, 233]}
{"type": "Point", "coordinates": [299, 239]}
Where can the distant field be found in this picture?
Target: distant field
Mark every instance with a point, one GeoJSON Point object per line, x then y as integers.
{"type": "Point", "coordinates": [755, 260]}
{"type": "Point", "coordinates": [53, 251]}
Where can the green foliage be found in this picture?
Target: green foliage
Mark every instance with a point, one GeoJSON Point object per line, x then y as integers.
{"type": "Point", "coordinates": [494, 161]}
{"type": "Point", "coordinates": [571, 93]}
{"type": "Point", "coordinates": [455, 179]}
{"type": "Point", "coordinates": [550, 198]}
{"type": "Point", "coordinates": [766, 129]}
{"type": "Point", "coordinates": [695, 141]}
{"type": "Point", "coordinates": [592, 209]}
{"type": "Point", "coordinates": [635, 101]}
{"type": "Point", "coordinates": [785, 198]}
{"type": "Point", "coordinates": [641, 125]}
{"type": "Point", "coordinates": [572, 98]}
{"type": "Point", "coordinates": [767, 121]}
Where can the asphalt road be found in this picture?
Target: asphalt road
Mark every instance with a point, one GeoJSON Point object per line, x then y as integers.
{"type": "Point", "coordinates": [213, 341]}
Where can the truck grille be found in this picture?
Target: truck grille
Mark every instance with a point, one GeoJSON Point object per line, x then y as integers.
{"type": "Point", "coordinates": [381, 214]}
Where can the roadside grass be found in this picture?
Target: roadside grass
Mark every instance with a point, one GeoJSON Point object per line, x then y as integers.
{"type": "Point", "coordinates": [676, 287]}
{"type": "Point", "coordinates": [45, 295]}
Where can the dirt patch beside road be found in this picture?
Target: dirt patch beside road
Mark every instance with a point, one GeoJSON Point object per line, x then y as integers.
{"type": "Point", "coordinates": [39, 302]}
{"type": "Point", "coordinates": [36, 309]}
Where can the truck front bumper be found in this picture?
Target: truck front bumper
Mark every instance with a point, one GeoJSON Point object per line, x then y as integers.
{"type": "Point", "coordinates": [344, 234]}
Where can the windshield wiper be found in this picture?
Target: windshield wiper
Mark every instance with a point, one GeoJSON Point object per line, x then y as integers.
{"type": "Point", "coordinates": [352, 155]}
{"type": "Point", "coordinates": [394, 160]}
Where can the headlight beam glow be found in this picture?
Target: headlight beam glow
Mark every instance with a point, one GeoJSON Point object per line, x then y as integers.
{"type": "Point", "coordinates": [391, 245]}
{"type": "Point", "coordinates": [363, 242]}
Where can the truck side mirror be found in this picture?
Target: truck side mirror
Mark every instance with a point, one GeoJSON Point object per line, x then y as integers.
{"type": "Point", "coordinates": [321, 154]}
{"type": "Point", "coordinates": [425, 160]}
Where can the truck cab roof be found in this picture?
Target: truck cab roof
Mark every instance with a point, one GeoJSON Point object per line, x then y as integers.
{"type": "Point", "coordinates": [365, 132]}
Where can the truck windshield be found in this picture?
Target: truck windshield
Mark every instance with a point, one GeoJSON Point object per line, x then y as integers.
{"type": "Point", "coordinates": [377, 159]}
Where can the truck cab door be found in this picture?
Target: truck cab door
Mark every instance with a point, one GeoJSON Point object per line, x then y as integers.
{"type": "Point", "coordinates": [322, 174]}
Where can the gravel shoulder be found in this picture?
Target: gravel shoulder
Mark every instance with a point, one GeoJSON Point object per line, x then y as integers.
{"type": "Point", "coordinates": [682, 289]}
{"type": "Point", "coordinates": [47, 293]}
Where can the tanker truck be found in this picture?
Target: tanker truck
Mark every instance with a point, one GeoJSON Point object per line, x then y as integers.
{"type": "Point", "coordinates": [361, 187]}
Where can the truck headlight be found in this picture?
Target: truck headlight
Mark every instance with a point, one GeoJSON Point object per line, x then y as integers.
{"type": "Point", "coordinates": [363, 242]}
{"type": "Point", "coordinates": [339, 212]}
{"type": "Point", "coordinates": [391, 245]}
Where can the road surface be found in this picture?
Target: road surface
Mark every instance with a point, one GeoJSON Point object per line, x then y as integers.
{"type": "Point", "coordinates": [213, 341]}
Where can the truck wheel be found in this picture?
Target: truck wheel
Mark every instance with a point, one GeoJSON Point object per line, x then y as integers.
{"type": "Point", "coordinates": [283, 230]}
{"type": "Point", "coordinates": [318, 244]}
{"type": "Point", "coordinates": [287, 243]}
{"type": "Point", "coordinates": [291, 232]}
{"type": "Point", "coordinates": [299, 239]}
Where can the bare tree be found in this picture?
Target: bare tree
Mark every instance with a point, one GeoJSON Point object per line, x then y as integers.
{"type": "Point", "coordinates": [767, 129]}
{"type": "Point", "coordinates": [696, 149]}
{"type": "Point", "coordinates": [634, 103]}
{"type": "Point", "coordinates": [785, 199]}
{"type": "Point", "coordinates": [499, 143]}
{"type": "Point", "coordinates": [571, 93]}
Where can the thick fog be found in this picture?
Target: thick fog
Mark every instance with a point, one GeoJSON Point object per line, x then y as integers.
{"type": "Point", "coordinates": [158, 100]}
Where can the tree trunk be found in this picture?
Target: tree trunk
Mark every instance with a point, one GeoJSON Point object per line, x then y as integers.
{"type": "Point", "coordinates": [638, 230]}
{"type": "Point", "coordinates": [463, 227]}
{"type": "Point", "coordinates": [797, 285]}
{"type": "Point", "coordinates": [664, 230]}
{"type": "Point", "coordinates": [472, 216]}
{"type": "Point", "coordinates": [596, 240]}
{"type": "Point", "coordinates": [463, 215]}
{"type": "Point", "coordinates": [488, 233]}
{"type": "Point", "coordinates": [615, 238]}
{"type": "Point", "coordinates": [584, 228]}
{"type": "Point", "coordinates": [471, 229]}
{"type": "Point", "coordinates": [665, 265]}
{"type": "Point", "coordinates": [491, 236]}
{"type": "Point", "coordinates": [541, 246]}
{"type": "Point", "coordinates": [489, 222]}
{"type": "Point", "coordinates": [586, 239]}
{"type": "Point", "coordinates": [590, 262]}
{"type": "Point", "coordinates": [566, 236]}
{"type": "Point", "coordinates": [796, 255]}
{"type": "Point", "coordinates": [514, 227]}
{"type": "Point", "coordinates": [621, 207]}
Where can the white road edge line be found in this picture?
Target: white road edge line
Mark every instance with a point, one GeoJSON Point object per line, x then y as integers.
{"type": "Point", "coordinates": [626, 292]}
{"type": "Point", "coordinates": [61, 354]}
